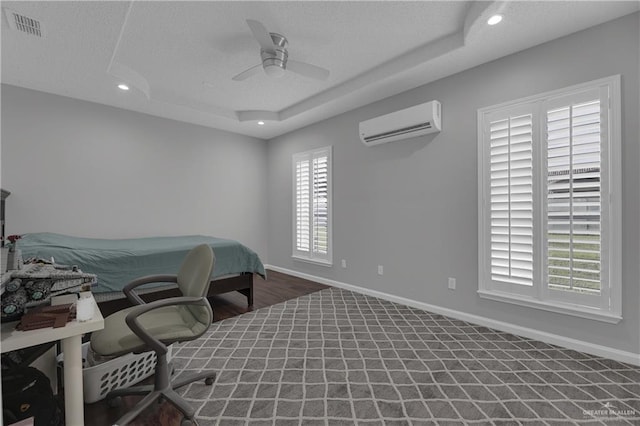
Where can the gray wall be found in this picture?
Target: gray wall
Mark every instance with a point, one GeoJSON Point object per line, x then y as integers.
{"type": "Point", "coordinates": [412, 205]}
{"type": "Point", "coordinates": [91, 170]}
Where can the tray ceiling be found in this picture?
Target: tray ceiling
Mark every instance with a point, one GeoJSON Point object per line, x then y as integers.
{"type": "Point", "coordinates": [179, 57]}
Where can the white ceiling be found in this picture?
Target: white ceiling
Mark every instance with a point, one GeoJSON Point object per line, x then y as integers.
{"type": "Point", "coordinates": [179, 56]}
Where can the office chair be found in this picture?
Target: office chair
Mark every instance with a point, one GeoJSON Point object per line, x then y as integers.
{"type": "Point", "coordinates": [157, 324]}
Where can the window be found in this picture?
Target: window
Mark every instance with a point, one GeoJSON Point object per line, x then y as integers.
{"type": "Point", "coordinates": [549, 201]}
{"type": "Point", "coordinates": [312, 206]}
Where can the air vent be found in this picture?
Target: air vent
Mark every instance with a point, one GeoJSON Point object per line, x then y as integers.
{"type": "Point", "coordinates": [23, 23]}
{"type": "Point", "coordinates": [403, 131]}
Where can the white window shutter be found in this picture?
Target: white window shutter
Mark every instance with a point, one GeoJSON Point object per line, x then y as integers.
{"type": "Point", "coordinates": [312, 205]}
{"type": "Point", "coordinates": [511, 199]}
{"type": "Point", "coordinates": [574, 197]}
{"type": "Point", "coordinates": [550, 207]}
{"type": "Point", "coordinates": [302, 204]}
{"type": "Point", "coordinates": [321, 205]}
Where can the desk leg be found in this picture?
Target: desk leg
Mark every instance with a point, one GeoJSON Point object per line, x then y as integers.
{"type": "Point", "coordinates": [73, 394]}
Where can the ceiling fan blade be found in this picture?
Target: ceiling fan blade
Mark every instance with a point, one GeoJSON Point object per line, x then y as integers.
{"type": "Point", "coordinates": [261, 34]}
{"type": "Point", "coordinates": [307, 70]}
{"type": "Point", "coordinates": [247, 73]}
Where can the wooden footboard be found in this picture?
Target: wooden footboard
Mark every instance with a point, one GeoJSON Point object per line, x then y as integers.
{"type": "Point", "coordinates": [242, 283]}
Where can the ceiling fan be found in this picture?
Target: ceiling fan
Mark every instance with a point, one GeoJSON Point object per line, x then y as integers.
{"type": "Point", "coordinates": [275, 58]}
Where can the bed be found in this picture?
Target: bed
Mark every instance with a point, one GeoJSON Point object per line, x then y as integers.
{"type": "Point", "coordinates": [116, 262]}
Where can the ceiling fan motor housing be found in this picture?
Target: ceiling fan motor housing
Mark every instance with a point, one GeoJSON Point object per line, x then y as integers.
{"type": "Point", "coordinates": [275, 62]}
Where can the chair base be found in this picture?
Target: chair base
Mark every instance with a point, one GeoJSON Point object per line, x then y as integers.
{"type": "Point", "coordinates": [153, 394]}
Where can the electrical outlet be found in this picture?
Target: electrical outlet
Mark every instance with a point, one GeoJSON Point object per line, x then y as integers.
{"type": "Point", "coordinates": [344, 263]}
{"type": "Point", "coordinates": [380, 270]}
{"type": "Point", "coordinates": [452, 283]}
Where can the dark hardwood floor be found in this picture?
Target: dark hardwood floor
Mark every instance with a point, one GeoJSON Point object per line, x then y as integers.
{"type": "Point", "coordinates": [276, 288]}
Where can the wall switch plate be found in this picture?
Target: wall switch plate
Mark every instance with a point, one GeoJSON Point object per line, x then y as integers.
{"type": "Point", "coordinates": [452, 283]}
{"type": "Point", "coordinates": [380, 270]}
{"type": "Point", "coordinates": [344, 263]}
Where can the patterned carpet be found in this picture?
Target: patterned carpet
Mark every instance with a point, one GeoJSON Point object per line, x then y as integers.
{"type": "Point", "coordinates": [340, 358]}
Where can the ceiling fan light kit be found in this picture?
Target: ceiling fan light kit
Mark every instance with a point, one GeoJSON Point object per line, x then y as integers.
{"type": "Point", "coordinates": [274, 62]}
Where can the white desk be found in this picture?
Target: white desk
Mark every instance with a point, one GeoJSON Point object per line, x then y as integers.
{"type": "Point", "coordinates": [71, 339]}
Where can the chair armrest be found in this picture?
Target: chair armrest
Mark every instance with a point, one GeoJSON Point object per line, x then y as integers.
{"type": "Point", "coordinates": [133, 296]}
{"type": "Point", "coordinates": [132, 317]}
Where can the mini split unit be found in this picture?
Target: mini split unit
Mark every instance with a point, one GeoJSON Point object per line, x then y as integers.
{"type": "Point", "coordinates": [407, 123]}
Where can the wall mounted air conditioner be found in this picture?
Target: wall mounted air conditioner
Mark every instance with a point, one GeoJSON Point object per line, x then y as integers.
{"type": "Point", "coordinates": [407, 123]}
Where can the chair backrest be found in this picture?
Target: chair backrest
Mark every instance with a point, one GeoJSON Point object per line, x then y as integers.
{"type": "Point", "coordinates": [195, 272]}
{"type": "Point", "coordinates": [194, 278]}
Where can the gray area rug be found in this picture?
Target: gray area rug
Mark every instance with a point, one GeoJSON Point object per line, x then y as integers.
{"type": "Point", "coordinates": [343, 358]}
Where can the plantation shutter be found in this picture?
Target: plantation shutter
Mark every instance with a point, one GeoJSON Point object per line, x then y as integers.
{"type": "Point", "coordinates": [549, 179]}
{"type": "Point", "coordinates": [511, 199]}
{"type": "Point", "coordinates": [302, 204]}
{"type": "Point", "coordinates": [320, 205]}
{"type": "Point", "coordinates": [312, 212]}
{"type": "Point", "coordinates": [575, 193]}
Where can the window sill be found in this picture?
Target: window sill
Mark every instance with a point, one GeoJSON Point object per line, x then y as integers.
{"type": "Point", "coordinates": [313, 261]}
{"type": "Point", "coordinates": [561, 308]}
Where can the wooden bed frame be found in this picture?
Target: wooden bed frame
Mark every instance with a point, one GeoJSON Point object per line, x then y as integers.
{"type": "Point", "coordinates": [242, 283]}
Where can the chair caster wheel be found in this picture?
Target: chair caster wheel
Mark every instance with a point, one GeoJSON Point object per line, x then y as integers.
{"type": "Point", "coordinates": [187, 422]}
{"type": "Point", "coordinates": [209, 381]}
{"type": "Point", "coordinates": [114, 402]}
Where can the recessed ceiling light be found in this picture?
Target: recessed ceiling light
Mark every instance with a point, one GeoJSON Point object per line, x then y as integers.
{"type": "Point", "coordinates": [123, 87]}
{"type": "Point", "coordinates": [261, 123]}
{"type": "Point", "coordinates": [495, 19]}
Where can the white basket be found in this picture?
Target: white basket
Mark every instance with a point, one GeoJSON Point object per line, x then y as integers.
{"type": "Point", "coordinates": [120, 372]}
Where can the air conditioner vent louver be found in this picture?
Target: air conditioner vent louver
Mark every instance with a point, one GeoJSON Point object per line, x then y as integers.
{"type": "Point", "coordinates": [410, 122]}
{"type": "Point", "coordinates": [23, 23]}
{"type": "Point", "coordinates": [404, 130]}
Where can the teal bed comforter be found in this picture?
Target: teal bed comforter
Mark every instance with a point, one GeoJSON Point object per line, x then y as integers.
{"type": "Point", "coordinates": [117, 262]}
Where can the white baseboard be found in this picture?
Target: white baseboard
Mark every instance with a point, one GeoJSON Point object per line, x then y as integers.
{"type": "Point", "coordinates": [554, 339]}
